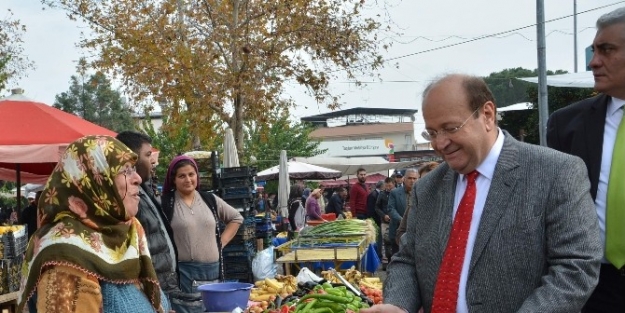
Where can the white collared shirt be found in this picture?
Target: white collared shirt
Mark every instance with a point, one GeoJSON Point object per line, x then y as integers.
{"type": "Point", "coordinates": [486, 170]}
{"type": "Point", "coordinates": [612, 119]}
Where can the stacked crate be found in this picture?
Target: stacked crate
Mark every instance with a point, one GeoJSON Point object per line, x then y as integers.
{"type": "Point", "coordinates": [236, 186]}
{"type": "Point", "coordinates": [238, 254]}
{"type": "Point", "coordinates": [14, 240]}
{"type": "Point", "coordinates": [264, 232]}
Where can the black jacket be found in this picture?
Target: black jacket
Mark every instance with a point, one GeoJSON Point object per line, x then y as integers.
{"type": "Point", "coordinates": [372, 199]}
{"type": "Point", "coordinates": [160, 240]}
{"type": "Point", "coordinates": [29, 217]}
{"type": "Point", "coordinates": [335, 205]}
{"type": "Point", "coordinates": [381, 204]}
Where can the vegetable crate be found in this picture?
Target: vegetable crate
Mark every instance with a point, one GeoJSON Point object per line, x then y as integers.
{"type": "Point", "coordinates": [10, 274]}
{"type": "Point", "coordinates": [14, 241]}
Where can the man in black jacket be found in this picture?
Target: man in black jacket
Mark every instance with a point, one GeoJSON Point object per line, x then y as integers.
{"type": "Point", "coordinates": [337, 202]}
{"type": "Point", "coordinates": [157, 229]}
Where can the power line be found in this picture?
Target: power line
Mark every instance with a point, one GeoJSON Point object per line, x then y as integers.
{"type": "Point", "coordinates": [480, 37]}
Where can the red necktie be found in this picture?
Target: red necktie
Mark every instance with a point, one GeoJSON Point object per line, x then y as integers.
{"type": "Point", "coordinates": [448, 280]}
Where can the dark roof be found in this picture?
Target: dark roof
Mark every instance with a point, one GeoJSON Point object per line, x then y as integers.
{"type": "Point", "coordinates": [353, 111]}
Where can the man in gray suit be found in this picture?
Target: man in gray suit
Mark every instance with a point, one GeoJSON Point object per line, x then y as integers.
{"type": "Point", "coordinates": [496, 227]}
{"type": "Point", "coordinates": [398, 201]}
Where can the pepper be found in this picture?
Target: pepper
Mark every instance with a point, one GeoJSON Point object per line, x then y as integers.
{"type": "Point", "coordinates": [328, 297]}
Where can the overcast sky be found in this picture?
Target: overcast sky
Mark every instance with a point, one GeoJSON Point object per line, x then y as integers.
{"type": "Point", "coordinates": [51, 37]}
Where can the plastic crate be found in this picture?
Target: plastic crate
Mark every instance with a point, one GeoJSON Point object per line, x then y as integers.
{"type": "Point", "coordinates": [245, 196]}
{"type": "Point", "coordinates": [14, 243]}
{"type": "Point", "coordinates": [10, 274]}
{"type": "Point", "coordinates": [243, 277]}
{"type": "Point", "coordinates": [243, 171]}
{"type": "Point", "coordinates": [245, 190]}
{"type": "Point", "coordinates": [236, 182]}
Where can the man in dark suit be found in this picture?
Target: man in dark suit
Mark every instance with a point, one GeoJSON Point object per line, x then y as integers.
{"type": "Point", "coordinates": [589, 129]}
{"type": "Point", "coordinates": [336, 204]}
{"type": "Point", "coordinates": [496, 227]}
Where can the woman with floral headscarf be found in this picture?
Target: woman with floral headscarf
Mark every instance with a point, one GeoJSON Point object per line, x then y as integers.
{"type": "Point", "coordinates": [195, 216]}
{"type": "Point", "coordinates": [90, 252]}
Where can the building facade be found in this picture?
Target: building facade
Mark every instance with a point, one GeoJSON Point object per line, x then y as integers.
{"type": "Point", "coordinates": [360, 132]}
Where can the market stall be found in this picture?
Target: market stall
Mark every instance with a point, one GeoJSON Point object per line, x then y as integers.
{"type": "Point", "coordinates": [337, 244]}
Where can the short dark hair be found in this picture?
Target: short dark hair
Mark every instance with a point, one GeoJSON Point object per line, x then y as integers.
{"type": "Point", "coordinates": [296, 192]}
{"type": "Point", "coordinates": [389, 180]}
{"type": "Point", "coordinates": [341, 189]}
{"type": "Point", "coordinates": [133, 139]}
{"type": "Point", "coordinates": [360, 169]}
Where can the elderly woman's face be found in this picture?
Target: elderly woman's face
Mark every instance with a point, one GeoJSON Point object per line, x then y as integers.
{"type": "Point", "coordinates": [127, 182]}
{"type": "Point", "coordinates": [186, 179]}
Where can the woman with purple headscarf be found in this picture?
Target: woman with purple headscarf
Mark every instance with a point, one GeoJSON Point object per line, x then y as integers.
{"type": "Point", "coordinates": [195, 217]}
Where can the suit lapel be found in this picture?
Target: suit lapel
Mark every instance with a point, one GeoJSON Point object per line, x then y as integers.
{"type": "Point", "coordinates": [448, 191]}
{"type": "Point", "coordinates": [594, 125]}
{"type": "Point", "coordinates": [504, 179]}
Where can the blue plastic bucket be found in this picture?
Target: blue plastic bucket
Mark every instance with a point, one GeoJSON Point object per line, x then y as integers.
{"type": "Point", "coordinates": [225, 297]}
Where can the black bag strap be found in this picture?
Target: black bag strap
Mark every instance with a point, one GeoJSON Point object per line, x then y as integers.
{"type": "Point", "coordinates": [209, 199]}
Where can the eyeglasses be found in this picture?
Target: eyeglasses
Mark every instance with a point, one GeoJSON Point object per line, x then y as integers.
{"type": "Point", "coordinates": [430, 135]}
{"type": "Point", "coordinates": [128, 170]}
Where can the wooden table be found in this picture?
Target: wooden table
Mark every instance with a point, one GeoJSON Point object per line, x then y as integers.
{"type": "Point", "coordinates": [8, 302]}
{"type": "Point", "coordinates": [338, 255]}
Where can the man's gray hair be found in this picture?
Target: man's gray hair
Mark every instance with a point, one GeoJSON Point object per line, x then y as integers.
{"type": "Point", "coordinates": [411, 170]}
{"type": "Point", "coordinates": [615, 17]}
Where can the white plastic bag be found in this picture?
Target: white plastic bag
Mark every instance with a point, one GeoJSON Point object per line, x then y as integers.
{"type": "Point", "coordinates": [263, 265]}
{"type": "Point", "coordinates": [306, 275]}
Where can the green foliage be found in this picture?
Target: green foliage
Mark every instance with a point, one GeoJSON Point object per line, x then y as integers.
{"type": "Point", "coordinates": [168, 141]}
{"type": "Point", "coordinates": [265, 141]}
{"type": "Point", "coordinates": [13, 63]}
{"type": "Point", "coordinates": [93, 99]}
{"type": "Point", "coordinates": [508, 90]}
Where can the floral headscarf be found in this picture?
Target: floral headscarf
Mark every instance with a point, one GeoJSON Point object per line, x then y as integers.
{"type": "Point", "coordinates": [83, 222]}
{"type": "Point", "coordinates": [169, 184]}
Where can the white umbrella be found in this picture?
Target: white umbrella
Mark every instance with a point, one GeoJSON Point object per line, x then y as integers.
{"type": "Point", "coordinates": [299, 170]}
{"type": "Point", "coordinates": [231, 157]}
{"type": "Point", "coordinates": [284, 185]}
{"type": "Point", "coordinates": [577, 80]}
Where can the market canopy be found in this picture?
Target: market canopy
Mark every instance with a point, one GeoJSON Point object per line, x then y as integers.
{"type": "Point", "coordinates": [34, 135]}
{"type": "Point", "coordinates": [371, 179]}
{"type": "Point", "coordinates": [349, 166]}
{"type": "Point", "coordinates": [299, 170]}
{"type": "Point", "coordinates": [575, 80]}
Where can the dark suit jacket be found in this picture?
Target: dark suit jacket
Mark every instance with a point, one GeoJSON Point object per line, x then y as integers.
{"type": "Point", "coordinates": [372, 198]}
{"type": "Point", "coordinates": [578, 130]}
{"type": "Point", "coordinates": [530, 253]}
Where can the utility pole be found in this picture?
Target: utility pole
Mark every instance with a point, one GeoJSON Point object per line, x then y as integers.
{"type": "Point", "coordinates": [575, 34]}
{"type": "Point", "coordinates": [543, 108]}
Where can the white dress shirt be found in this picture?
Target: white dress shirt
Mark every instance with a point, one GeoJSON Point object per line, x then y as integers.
{"type": "Point", "coordinates": [486, 171]}
{"type": "Point", "coordinates": [612, 119]}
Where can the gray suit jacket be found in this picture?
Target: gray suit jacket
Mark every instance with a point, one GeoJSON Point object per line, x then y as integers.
{"type": "Point", "coordinates": [537, 247]}
{"type": "Point", "coordinates": [396, 209]}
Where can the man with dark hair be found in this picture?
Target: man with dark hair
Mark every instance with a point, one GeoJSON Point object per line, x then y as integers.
{"type": "Point", "coordinates": [358, 195]}
{"type": "Point", "coordinates": [381, 205]}
{"type": "Point", "coordinates": [336, 204]}
{"type": "Point", "coordinates": [500, 226]}
{"type": "Point", "coordinates": [151, 216]}
{"type": "Point", "coordinates": [29, 214]}
{"type": "Point", "coordinates": [399, 178]}
{"type": "Point", "coordinates": [594, 130]}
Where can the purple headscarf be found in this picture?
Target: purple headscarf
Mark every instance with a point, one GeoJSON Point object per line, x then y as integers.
{"type": "Point", "coordinates": [168, 185]}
